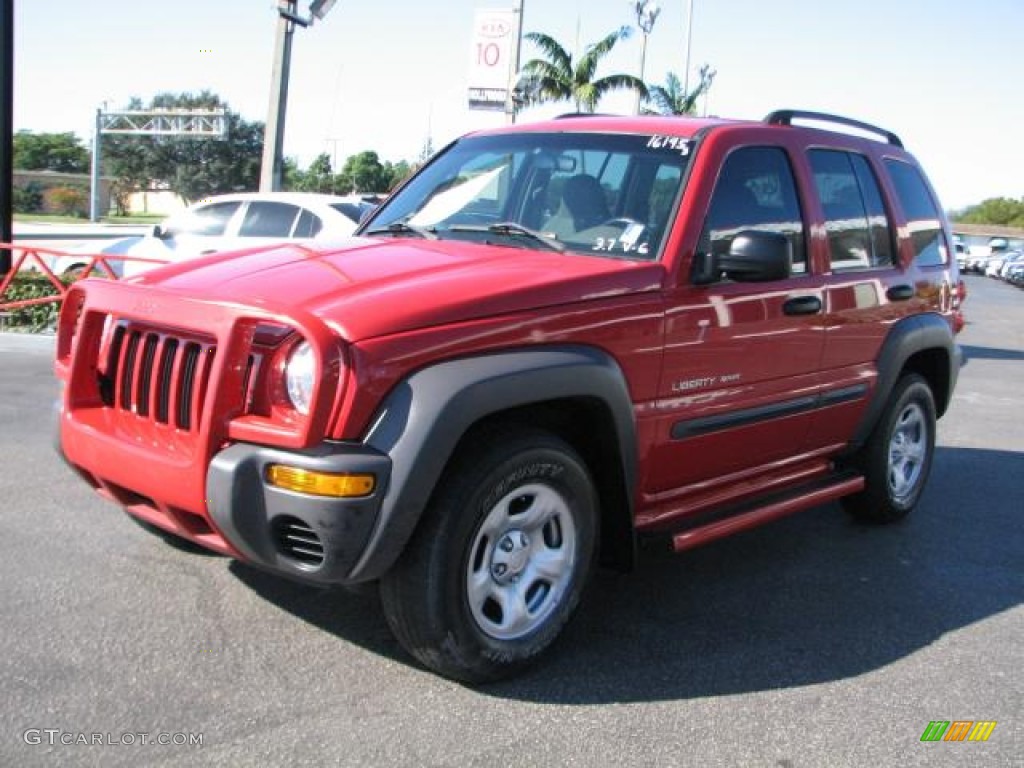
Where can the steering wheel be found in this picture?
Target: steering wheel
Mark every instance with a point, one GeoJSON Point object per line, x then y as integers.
{"type": "Point", "coordinates": [623, 221]}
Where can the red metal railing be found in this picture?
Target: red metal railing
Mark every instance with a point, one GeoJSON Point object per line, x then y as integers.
{"type": "Point", "coordinates": [96, 265]}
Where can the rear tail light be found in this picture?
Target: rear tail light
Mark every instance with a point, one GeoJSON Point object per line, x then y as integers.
{"type": "Point", "coordinates": [959, 295]}
{"type": "Point", "coordinates": [961, 292]}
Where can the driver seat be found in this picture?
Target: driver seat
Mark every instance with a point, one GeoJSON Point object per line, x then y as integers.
{"type": "Point", "coordinates": [583, 206]}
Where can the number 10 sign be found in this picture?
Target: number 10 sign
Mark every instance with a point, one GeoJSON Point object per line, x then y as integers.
{"type": "Point", "coordinates": [491, 59]}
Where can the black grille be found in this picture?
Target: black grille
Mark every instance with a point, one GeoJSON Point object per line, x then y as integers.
{"type": "Point", "coordinates": [157, 376]}
{"type": "Point", "coordinates": [295, 539]}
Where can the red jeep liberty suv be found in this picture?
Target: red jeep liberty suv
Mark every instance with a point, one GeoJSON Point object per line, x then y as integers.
{"type": "Point", "coordinates": [554, 339]}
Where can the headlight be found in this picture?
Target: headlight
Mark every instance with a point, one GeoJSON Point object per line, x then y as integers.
{"type": "Point", "coordinates": [299, 375]}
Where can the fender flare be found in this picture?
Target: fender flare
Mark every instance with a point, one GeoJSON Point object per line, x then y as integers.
{"type": "Point", "coordinates": [422, 420]}
{"type": "Point", "coordinates": [907, 338]}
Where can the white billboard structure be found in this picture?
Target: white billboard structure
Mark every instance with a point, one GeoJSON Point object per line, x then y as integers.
{"type": "Point", "coordinates": [495, 48]}
{"type": "Point", "coordinates": [197, 123]}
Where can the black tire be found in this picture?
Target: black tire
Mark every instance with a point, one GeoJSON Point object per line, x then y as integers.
{"type": "Point", "coordinates": [74, 272]}
{"type": "Point", "coordinates": [897, 457]}
{"type": "Point", "coordinates": [500, 559]}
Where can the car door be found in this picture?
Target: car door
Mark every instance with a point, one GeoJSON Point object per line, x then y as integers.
{"type": "Point", "coordinates": [739, 374]}
{"type": "Point", "coordinates": [868, 286]}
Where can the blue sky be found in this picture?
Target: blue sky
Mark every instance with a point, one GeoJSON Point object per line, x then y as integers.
{"type": "Point", "coordinates": [384, 75]}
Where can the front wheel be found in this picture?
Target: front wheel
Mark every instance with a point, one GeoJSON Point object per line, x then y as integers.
{"type": "Point", "coordinates": [897, 457]}
{"type": "Point", "coordinates": [500, 559]}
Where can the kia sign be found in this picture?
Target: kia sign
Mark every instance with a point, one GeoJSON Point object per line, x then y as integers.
{"type": "Point", "coordinates": [491, 59]}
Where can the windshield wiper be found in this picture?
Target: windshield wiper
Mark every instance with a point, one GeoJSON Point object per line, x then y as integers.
{"type": "Point", "coordinates": [404, 228]}
{"type": "Point", "coordinates": [513, 229]}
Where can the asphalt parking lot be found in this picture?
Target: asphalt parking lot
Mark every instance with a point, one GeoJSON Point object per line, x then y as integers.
{"type": "Point", "coordinates": [811, 642]}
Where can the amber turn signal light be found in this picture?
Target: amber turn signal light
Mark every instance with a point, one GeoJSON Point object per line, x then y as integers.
{"type": "Point", "coordinates": [320, 483]}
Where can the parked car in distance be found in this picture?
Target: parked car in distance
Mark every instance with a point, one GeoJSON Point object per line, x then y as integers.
{"type": "Point", "coordinates": [995, 263]}
{"type": "Point", "coordinates": [963, 254]}
{"type": "Point", "coordinates": [1015, 273]}
{"type": "Point", "coordinates": [231, 222]}
{"type": "Point", "coordinates": [977, 259]}
{"type": "Point", "coordinates": [1009, 259]}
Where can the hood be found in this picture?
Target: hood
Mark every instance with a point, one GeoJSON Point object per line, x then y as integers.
{"type": "Point", "coordinates": [374, 287]}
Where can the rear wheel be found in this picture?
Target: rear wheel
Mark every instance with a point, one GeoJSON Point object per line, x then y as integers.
{"type": "Point", "coordinates": [897, 457]}
{"type": "Point", "coordinates": [500, 559]}
{"type": "Point", "coordinates": [74, 272]}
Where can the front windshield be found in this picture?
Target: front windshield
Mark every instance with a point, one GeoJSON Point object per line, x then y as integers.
{"type": "Point", "coordinates": [600, 194]}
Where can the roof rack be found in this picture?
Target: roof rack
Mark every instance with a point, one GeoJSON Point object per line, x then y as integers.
{"type": "Point", "coordinates": [567, 115]}
{"type": "Point", "coordinates": [785, 117]}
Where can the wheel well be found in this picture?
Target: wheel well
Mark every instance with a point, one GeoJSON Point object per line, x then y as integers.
{"type": "Point", "coordinates": [933, 365]}
{"type": "Point", "coordinates": [587, 425]}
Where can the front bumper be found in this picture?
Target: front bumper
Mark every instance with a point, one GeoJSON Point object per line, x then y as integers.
{"type": "Point", "coordinates": [312, 538]}
{"type": "Point", "coordinates": [158, 416]}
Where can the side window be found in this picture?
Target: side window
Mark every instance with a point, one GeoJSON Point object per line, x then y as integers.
{"type": "Point", "coordinates": [207, 221]}
{"type": "Point", "coordinates": [308, 224]}
{"type": "Point", "coordinates": [858, 231]}
{"type": "Point", "coordinates": [755, 191]}
{"type": "Point", "coordinates": [264, 219]}
{"type": "Point", "coordinates": [923, 218]}
{"type": "Point", "coordinates": [881, 232]}
{"type": "Point", "coordinates": [663, 193]}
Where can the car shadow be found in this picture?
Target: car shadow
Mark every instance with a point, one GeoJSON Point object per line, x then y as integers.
{"type": "Point", "coordinates": [990, 353]}
{"type": "Point", "coordinates": [354, 615]}
{"type": "Point", "coordinates": [809, 599]}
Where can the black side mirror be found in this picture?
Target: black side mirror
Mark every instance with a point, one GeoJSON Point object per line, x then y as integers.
{"type": "Point", "coordinates": [753, 257]}
{"type": "Point", "coordinates": [758, 257]}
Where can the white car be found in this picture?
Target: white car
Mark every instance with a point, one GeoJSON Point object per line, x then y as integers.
{"type": "Point", "coordinates": [230, 222]}
{"type": "Point", "coordinates": [1011, 259]}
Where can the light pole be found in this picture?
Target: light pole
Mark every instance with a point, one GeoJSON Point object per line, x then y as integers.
{"type": "Point", "coordinates": [689, 41]}
{"type": "Point", "coordinates": [6, 130]}
{"type": "Point", "coordinates": [273, 134]}
{"type": "Point", "coordinates": [646, 14]}
{"type": "Point", "coordinates": [517, 45]}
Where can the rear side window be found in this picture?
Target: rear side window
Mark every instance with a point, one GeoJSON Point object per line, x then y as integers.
{"type": "Point", "coordinates": [264, 219]}
{"type": "Point", "coordinates": [308, 225]}
{"type": "Point", "coordinates": [858, 229]}
{"type": "Point", "coordinates": [755, 191]}
{"type": "Point", "coordinates": [353, 211]}
{"type": "Point", "coordinates": [923, 218]}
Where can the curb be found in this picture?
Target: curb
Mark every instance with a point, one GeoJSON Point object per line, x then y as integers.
{"type": "Point", "coordinates": [27, 342]}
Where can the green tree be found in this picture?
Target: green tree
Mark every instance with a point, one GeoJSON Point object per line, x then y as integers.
{"type": "Point", "coordinates": [672, 99]}
{"type": "Point", "coordinates": [360, 173]}
{"type": "Point", "coordinates": [320, 175]}
{"type": "Point", "coordinates": [291, 175]}
{"type": "Point", "coordinates": [1000, 211]}
{"type": "Point", "coordinates": [397, 173]}
{"type": "Point", "coordinates": [364, 172]}
{"type": "Point", "coordinates": [557, 78]}
{"type": "Point", "coordinates": [49, 152]}
{"type": "Point", "coordinates": [192, 167]}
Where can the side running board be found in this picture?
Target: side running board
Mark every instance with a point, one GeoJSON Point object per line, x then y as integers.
{"type": "Point", "coordinates": [743, 518]}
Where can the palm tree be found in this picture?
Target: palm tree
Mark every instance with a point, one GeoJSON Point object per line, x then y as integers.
{"type": "Point", "coordinates": [672, 99]}
{"type": "Point", "coordinates": [555, 78]}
